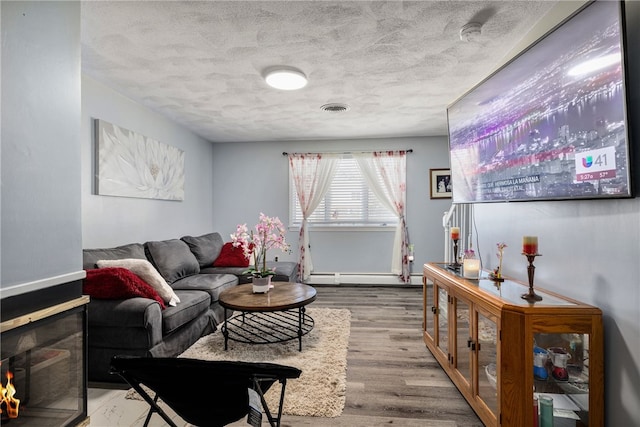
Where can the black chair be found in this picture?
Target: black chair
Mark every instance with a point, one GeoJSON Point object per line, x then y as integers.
{"type": "Point", "coordinates": [202, 392]}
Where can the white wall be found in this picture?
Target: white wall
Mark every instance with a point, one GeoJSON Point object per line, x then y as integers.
{"type": "Point", "coordinates": [110, 221]}
{"type": "Point", "coordinates": [591, 253]}
{"type": "Point", "coordinates": [40, 143]}
{"type": "Point", "coordinates": [253, 178]}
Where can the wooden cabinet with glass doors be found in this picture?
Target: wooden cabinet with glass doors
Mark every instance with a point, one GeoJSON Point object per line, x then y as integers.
{"type": "Point", "coordinates": [500, 351]}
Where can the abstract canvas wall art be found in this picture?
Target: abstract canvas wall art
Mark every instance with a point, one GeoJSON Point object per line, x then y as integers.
{"type": "Point", "coordinates": [132, 165]}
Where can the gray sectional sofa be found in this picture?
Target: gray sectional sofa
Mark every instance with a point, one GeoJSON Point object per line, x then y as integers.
{"type": "Point", "coordinates": [140, 326]}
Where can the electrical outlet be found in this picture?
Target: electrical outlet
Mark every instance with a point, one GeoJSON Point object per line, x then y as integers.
{"type": "Point", "coordinates": [276, 259]}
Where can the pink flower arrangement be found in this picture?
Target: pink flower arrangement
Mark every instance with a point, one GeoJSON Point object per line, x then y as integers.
{"type": "Point", "coordinates": [269, 233]}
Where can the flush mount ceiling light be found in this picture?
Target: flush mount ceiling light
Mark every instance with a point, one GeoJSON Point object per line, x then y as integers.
{"type": "Point", "coordinates": [285, 78]}
{"type": "Point", "coordinates": [470, 32]}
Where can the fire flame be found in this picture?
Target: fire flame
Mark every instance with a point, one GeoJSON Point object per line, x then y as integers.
{"type": "Point", "coordinates": [7, 401]}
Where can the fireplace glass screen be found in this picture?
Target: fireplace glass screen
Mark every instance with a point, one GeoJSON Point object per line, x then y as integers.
{"type": "Point", "coordinates": [43, 372]}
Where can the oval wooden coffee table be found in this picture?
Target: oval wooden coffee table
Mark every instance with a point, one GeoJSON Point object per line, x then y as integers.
{"type": "Point", "coordinates": [270, 317]}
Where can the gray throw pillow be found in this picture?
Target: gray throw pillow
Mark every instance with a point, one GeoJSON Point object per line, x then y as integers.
{"type": "Point", "coordinates": [206, 248]}
{"type": "Point", "coordinates": [173, 259]}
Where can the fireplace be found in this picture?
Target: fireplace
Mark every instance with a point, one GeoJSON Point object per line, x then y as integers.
{"type": "Point", "coordinates": [43, 379]}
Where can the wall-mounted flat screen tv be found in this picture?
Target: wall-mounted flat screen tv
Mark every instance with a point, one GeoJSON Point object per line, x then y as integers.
{"type": "Point", "coordinates": [551, 124]}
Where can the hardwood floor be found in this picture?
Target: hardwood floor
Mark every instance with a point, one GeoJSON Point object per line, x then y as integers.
{"type": "Point", "coordinates": [391, 376]}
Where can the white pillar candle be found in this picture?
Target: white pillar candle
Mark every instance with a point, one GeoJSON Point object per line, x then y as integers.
{"type": "Point", "coordinates": [471, 268]}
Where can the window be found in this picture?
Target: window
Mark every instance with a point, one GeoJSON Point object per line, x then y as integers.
{"type": "Point", "coordinates": [349, 201]}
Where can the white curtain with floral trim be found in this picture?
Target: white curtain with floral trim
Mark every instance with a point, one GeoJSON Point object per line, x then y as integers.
{"type": "Point", "coordinates": [392, 193]}
{"type": "Point", "coordinates": [312, 175]}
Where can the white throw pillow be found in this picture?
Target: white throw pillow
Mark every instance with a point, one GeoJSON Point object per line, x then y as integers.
{"type": "Point", "coordinates": [145, 270]}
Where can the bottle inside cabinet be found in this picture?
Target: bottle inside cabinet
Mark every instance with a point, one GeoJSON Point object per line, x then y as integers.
{"type": "Point", "coordinates": [561, 372]}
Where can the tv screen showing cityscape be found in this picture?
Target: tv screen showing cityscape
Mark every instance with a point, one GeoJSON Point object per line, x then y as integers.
{"type": "Point", "coordinates": [551, 123]}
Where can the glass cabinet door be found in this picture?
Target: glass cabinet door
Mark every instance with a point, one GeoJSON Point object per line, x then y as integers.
{"type": "Point", "coordinates": [464, 339]}
{"type": "Point", "coordinates": [429, 310]}
{"type": "Point", "coordinates": [561, 372]}
{"type": "Point", "coordinates": [443, 320]}
{"type": "Point", "coordinates": [488, 374]}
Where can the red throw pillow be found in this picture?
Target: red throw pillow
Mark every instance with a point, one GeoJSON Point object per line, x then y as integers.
{"type": "Point", "coordinates": [231, 257]}
{"type": "Point", "coordinates": [118, 283]}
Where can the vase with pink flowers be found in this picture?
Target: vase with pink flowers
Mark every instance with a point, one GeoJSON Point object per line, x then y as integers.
{"type": "Point", "coordinates": [268, 233]}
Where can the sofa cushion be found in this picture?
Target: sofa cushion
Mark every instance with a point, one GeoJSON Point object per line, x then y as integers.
{"type": "Point", "coordinates": [236, 271]}
{"type": "Point", "coordinates": [146, 271]}
{"type": "Point", "coordinates": [117, 283]}
{"type": "Point", "coordinates": [213, 284]}
{"type": "Point", "coordinates": [231, 257]}
{"type": "Point", "coordinates": [286, 271]}
{"type": "Point", "coordinates": [205, 248]}
{"type": "Point", "coordinates": [172, 258]}
{"type": "Point", "coordinates": [192, 305]}
{"type": "Point", "coordinates": [91, 256]}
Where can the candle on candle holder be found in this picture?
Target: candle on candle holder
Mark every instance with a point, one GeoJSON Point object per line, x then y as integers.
{"type": "Point", "coordinates": [531, 269]}
{"type": "Point", "coordinates": [455, 233]}
{"type": "Point", "coordinates": [530, 245]}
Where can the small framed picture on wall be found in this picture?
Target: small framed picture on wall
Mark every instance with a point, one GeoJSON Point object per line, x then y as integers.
{"type": "Point", "coordinates": [440, 183]}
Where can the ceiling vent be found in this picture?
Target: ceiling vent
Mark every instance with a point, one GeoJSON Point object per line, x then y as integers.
{"type": "Point", "coordinates": [470, 32]}
{"type": "Point", "coordinates": [335, 108]}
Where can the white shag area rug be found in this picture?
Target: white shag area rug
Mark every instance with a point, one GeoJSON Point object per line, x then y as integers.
{"type": "Point", "coordinates": [320, 391]}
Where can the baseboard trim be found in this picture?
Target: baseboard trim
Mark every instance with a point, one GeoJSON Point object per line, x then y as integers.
{"type": "Point", "coordinates": [362, 279]}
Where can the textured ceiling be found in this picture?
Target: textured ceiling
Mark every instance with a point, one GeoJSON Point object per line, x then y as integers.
{"type": "Point", "coordinates": [397, 64]}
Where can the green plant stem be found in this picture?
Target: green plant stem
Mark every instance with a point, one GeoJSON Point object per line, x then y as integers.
{"type": "Point", "coordinates": [264, 261]}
